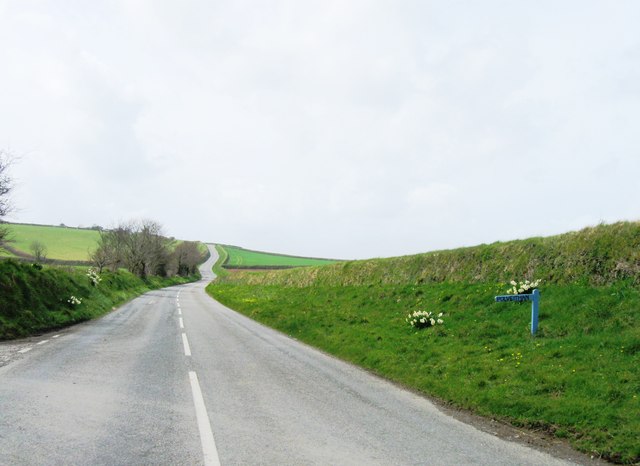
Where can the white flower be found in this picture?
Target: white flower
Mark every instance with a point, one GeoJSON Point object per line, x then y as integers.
{"type": "Point", "coordinates": [73, 300]}
{"type": "Point", "coordinates": [440, 321]}
{"type": "Point", "coordinates": [433, 322]}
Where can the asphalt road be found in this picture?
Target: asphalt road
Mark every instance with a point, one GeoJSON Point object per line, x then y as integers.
{"type": "Point", "coordinates": [174, 377]}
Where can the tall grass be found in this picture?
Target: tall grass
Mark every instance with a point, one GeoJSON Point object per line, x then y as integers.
{"type": "Point", "coordinates": [595, 256]}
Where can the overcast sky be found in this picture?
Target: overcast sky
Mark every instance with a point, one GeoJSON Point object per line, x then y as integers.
{"type": "Point", "coordinates": [345, 128]}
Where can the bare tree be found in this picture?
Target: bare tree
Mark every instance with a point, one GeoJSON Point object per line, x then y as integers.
{"type": "Point", "coordinates": [155, 246]}
{"type": "Point", "coordinates": [186, 257]}
{"type": "Point", "coordinates": [6, 185]}
{"type": "Point", "coordinates": [111, 248]}
{"type": "Point", "coordinates": [100, 258]}
{"type": "Point", "coordinates": [39, 251]}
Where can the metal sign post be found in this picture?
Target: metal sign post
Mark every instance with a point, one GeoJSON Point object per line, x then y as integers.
{"type": "Point", "coordinates": [535, 304]}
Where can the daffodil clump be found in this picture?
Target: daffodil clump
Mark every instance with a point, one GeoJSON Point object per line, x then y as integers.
{"type": "Point", "coordinates": [74, 301]}
{"type": "Point", "coordinates": [424, 319]}
{"type": "Point", "coordinates": [525, 287]}
{"type": "Point", "coordinates": [93, 275]}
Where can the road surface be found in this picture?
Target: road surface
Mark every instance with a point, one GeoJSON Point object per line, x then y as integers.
{"type": "Point", "coordinates": [174, 377]}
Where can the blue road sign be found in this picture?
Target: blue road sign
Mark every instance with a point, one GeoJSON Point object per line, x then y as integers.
{"type": "Point", "coordinates": [535, 304]}
{"type": "Point", "coordinates": [513, 297]}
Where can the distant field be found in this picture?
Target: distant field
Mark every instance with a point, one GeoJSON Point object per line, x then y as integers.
{"type": "Point", "coordinates": [245, 258]}
{"type": "Point", "coordinates": [62, 243]}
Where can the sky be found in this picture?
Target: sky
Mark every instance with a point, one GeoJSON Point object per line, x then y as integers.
{"type": "Point", "coordinates": [343, 129]}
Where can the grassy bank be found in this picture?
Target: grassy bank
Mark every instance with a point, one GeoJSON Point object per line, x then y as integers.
{"type": "Point", "coordinates": [577, 379]}
{"type": "Point", "coordinates": [594, 256]}
{"type": "Point", "coordinates": [222, 258]}
{"type": "Point", "coordinates": [34, 300]}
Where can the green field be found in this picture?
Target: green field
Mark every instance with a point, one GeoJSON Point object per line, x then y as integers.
{"type": "Point", "coordinates": [245, 258]}
{"type": "Point", "coordinates": [578, 379]}
{"type": "Point", "coordinates": [62, 243]}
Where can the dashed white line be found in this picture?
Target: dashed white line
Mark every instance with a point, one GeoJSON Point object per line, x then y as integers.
{"type": "Point", "coordinates": [185, 343]}
{"type": "Point", "coordinates": [42, 342]}
{"type": "Point", "coordinates": [24, 350]}
{"type": "Point", "coordinates": [204, 426]}
{"type": "Point", "coordinates": [181, 322]}
{"type": "Point", "coordinates": [55, 336]}
{"type": "Point", "coordinates": [179, 312]}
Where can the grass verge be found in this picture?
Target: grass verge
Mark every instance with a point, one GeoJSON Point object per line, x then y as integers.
{"type": "Point", "coordinates": [218, 268]}
{"type": "Point", "coordinates": [578, 379]}
{"type": "Point", "coordinates": [34, 300]}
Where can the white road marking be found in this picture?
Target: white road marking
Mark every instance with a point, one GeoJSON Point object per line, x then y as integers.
{"type": "Point", "coordinates": [179, 312]}
{"type": "Point", "coordinates": [24, 350]}
{"type": "Point", "coordinates": [55, 336]}
{"type": "Point", "coordinates": [181, 322]}
{"type": "Point", "coordinates": [204, 426]}
{"type": "Point", "coordinates": [185, 343]}
{"type": "Point", "coordinates": [42, 342]}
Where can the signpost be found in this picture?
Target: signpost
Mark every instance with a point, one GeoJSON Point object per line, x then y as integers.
{"type": "Point", "coordinates": [520, 298]}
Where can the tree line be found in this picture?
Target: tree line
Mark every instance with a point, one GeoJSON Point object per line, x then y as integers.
{"type": "Point", "coordinates": [141, 247]}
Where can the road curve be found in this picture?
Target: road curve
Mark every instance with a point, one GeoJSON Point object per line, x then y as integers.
{"type": "Point", "coordinates": [174, 377]}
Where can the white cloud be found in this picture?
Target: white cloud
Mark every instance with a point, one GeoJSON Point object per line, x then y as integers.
{"type": "Point", "coordinates": [324, 128]}
{"type": "Point", "coordinates": [434, 195]}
